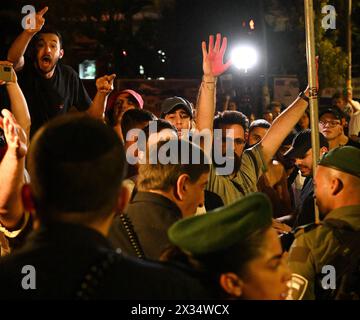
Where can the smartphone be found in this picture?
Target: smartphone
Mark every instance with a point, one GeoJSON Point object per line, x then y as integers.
{"type": "Point", "coordinates": [6, 73]}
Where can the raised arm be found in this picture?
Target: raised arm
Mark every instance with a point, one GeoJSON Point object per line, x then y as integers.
{"type": "Point", "coordinates": [104, 87]}
{"type": "Point", "coordinates": [282, 126]}
{"type": "Point", "coordinates": [354, 104]}
{"type": "Point", "coordinates": [213, 66]}
{"type": "Point", "coordinates": [19, 106]}
{"type": "Point", "coordinates": [12, 168]}
{"type": "Point", "coordinates": [284, 123]}
{"type": "Point", "coordinates": [19, 46]}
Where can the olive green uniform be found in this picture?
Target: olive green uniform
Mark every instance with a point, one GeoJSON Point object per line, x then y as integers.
{"type": "Point", "coordinates": [317, 246]}
{"type": "Point", "coordinates": [234, 187]}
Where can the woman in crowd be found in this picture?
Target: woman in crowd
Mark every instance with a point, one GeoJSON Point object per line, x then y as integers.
{"type": "Point", "coordinates": [118, 104]}
{"type": "Point", "coordinates": [234, 250]}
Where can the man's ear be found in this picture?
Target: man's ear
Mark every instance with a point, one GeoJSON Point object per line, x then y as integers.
{"type": "Point", "coordinates": [246, 135]}
{"type": "Point", "coordinates": [28, 198]}
{"type": "Point", "coordinates": [123, 200]}
{"type": "Point", "coordinates": [231, 284]}
{"type": "Point", "coordinates": [182, 186]}
{"type": "Point", "coordinates": [336, 186]}
{"type": "Point", "coordinates": [61, 53]}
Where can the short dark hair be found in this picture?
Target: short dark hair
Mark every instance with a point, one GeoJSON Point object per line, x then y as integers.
{"type": "Point", "coordinates": [259, 123]}
{"type": "Point", "coordinates": [51, 30]}
{"type": "Point", "coordinates": [230, 118]}
{"type": "Point", "coordinates": [134, 117]}
{"type": "Point", "coordinates": [266, 111]}
{"type": "Point", "coordinates": [161, 124]}
{"type": "Point", "coordinates": [338, 95]}
{"type": "Point", "coordinates": [163, 177]}
{"type": "Point", "coordinates": [76, 165]}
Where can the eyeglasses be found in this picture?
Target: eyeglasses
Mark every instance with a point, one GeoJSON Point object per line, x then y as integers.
{"type": "Point", "coordinates": [330, 123]}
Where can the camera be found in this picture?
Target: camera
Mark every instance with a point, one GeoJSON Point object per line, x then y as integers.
{"type": "Point", "coordinates": [6, 73]}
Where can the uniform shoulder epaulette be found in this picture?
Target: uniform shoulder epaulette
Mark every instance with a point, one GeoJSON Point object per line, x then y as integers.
{"type": "Point", "coordinates": [305, 228]}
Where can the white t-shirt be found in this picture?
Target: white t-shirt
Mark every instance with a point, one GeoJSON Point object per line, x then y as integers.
{"type": "Point", "coordinates": [354, 124]}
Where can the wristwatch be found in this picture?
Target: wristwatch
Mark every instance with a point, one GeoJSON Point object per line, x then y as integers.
{"type": "Point", "coordinates": [303, 96]}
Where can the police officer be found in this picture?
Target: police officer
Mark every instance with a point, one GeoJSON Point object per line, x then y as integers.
{"type": "Point", "coordinates": [234, 250]}
{"type": "Point", "coordinates": [325, 256]}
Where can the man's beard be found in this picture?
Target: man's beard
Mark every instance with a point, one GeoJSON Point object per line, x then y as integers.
{"type": "Point", "coordinates": [52, 66]}
{"type": "Point", "coordinates": [235, 159]}
{"type": "Point", "coordinates": [308, 172]}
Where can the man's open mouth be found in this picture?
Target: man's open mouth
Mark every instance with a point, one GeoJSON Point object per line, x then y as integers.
{"type": "Point", "coordinates": [46, 60]}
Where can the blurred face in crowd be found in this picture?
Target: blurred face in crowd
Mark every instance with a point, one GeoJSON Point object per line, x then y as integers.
{"type": "Point", "coordinates": [330, 126]}
{"type": "Point", "coordinates": [266, 276]}
{"type": "Point", "coordinates": [235, 135]}
{"type": "Point", "coordinates": [252, 118]}
{"type": "Point", "coordinates": [233, 140]}
{"type": "Point", "coordinates": [48, 53]}
{"type": "Point", "coordinates": [304, 122]}
{"type": "Point", "coordinates": [192, 195]}
{"type": "Point", "coordinates": [132, 137]}
{"type": "Point", "coordinates": [232, 106]}
{"type": "Point", "coordinates": [268, 116]}
{"type": "Point", "coordinates": [256, 135]}
{"type": "Point", "coordinates": [124, 102]}
{"type": "Point", "coordinates": [305, 164]}
{"type": "Point", "coordinates": [180, 119]}
{"type": "Point", "coordinates": [340, 103]}
{"type": "Point", "coordinates": [275, 110]}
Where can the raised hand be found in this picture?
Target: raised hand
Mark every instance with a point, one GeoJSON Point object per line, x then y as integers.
{"type": "Point", "coordinates": [213, 64]}
{"type": "Point", "coordinates": [105, 84]}
{"type": "Point", "coordinates": [15, 136]}
{"type": "Point", "coordinates": [39, 21]}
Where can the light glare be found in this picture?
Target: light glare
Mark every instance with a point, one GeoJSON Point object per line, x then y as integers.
{"type": "Point", "coordinates": [244, 57]}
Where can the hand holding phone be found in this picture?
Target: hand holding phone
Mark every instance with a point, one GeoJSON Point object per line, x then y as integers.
{"type": "Point", "coordinates": [7, 73]}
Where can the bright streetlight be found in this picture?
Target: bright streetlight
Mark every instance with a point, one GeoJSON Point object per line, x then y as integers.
{"type": "Point", "coordinates": [244, 57]}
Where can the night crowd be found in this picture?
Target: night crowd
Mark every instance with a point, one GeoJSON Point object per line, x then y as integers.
{"type": "Point", "coordinates": [111, 201]}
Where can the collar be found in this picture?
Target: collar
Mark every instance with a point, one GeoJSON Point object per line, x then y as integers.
{"type": "Point", "coordinates": [349, 214]}
{"type": "Point", "coordinates": [69, 235]}
{"type": "Point", "coordinates": [157, 199]}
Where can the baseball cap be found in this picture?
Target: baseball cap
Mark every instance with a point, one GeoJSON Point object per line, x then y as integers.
{"type": "Point", "coordinates": [335, 111]}
{"type": "Point", "coordinates": [302, 143]}
{"type": "Point", "coordinates": [170, 104]}
{"type": "Point", "coordinates": [137, 97]}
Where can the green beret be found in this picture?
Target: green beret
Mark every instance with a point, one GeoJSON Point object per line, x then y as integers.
{"type": "Point", "coordinates": [346, 159]}
{"type": "Point", "coordinates": [222, 227]}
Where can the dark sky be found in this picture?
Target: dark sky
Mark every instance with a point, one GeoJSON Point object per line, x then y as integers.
{"type": "Point", "coordinates": [181, 31]}
{"type": "Point", "coordinates": [179, 34]}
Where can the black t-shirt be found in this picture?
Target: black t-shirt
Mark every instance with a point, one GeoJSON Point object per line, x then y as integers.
{"type": "Point", "coordinates": [48, 98]}
{"type": "Point", "coordinates": [306, 210]}
{"type": "Point", "coordinates": [353, 143]}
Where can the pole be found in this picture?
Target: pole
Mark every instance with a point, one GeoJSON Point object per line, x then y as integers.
{"type": "Point", "coordinates": [313, 94]}
{"type": "Point", "coordinates": [348, 78]}
{"type": "Point", "coordinates": [265, 88]}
